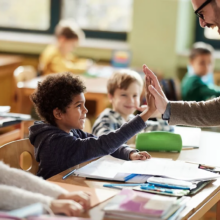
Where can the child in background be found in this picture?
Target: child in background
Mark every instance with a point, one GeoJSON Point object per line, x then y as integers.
{"type": "Point", "coordinates": [124, 92]}
{"type": "Point", "coordinates": [192, 87]}
{"type": "Point", "coordinates": [19, 188]}
{"type": "Point", "coordinates": [59, 141]}
{"type": "Point", "coordinates": [58, 57]}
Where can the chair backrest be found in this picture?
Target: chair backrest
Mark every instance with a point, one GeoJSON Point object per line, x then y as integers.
{"type": "Point", "coordinates": [24, 73]}
{"type": "Point", "coordinates": [17, 153]}
{"type": "Point", "coordinates": [168, 86]}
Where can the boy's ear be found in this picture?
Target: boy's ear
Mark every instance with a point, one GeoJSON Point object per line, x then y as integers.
{"type": "Point", "coordinates": [110, 97]}
{"type": "Point", "coordinates": [57, 113]}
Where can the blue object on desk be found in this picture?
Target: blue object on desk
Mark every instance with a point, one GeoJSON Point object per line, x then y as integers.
{"type": "Point", "coordinates": [68, 174]}
{"type": "Point", "coordinates": [152, 187]}
{"type": "Point", "coordinates": [171, 186]}
{"type": "Point", "coordinates": [130, 177]}
{"type": "Point", "coordinates": [117, 186]}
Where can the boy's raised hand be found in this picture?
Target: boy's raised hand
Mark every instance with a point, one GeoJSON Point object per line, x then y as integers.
{"type": "Point", "coordinates": [155, 89]}
{"type": "Point", "coordinates": [142, 155]}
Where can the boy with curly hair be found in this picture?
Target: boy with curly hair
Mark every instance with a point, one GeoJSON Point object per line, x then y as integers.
{"type": "Point", "coordinates": [59, 141]}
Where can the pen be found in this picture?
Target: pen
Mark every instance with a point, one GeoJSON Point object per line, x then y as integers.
{"type": "Point", "coordinates": [68, 174]}
{"type": "Point", "coordinates": [130, 177]}
{"type": "Point", "coordinates": [152, 187]}
{"type": "Point", "coordinates": [112, 185]}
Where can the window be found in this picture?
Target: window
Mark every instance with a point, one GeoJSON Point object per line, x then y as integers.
{"type": "Point", "coordinates": [25, 14]}
{"type": "Point", "coordinates": [208, 35]}
{"type": "Point", "coordinates": [109, 19]}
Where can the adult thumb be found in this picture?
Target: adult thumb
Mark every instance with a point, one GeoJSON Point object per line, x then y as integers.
{"type": "Point", "coordinates": [153, 91]}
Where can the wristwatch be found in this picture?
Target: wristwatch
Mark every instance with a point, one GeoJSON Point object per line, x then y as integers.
{"type": "Point", "coordinates": [166, 114]}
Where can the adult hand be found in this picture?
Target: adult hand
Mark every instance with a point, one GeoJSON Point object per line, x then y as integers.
{"type": "Point", "coordinates": [142, 155]}
{"type": "Point", "coordinates": [67, 207]}
{"type": "Point", "coordinates": [80, 197]}
{"type": "Point", "coordinates": [142, 108]}
{"type": "Point", "coordinates": [155, 89]}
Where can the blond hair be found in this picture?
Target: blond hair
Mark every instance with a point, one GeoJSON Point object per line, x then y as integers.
{"type": "Point", "coordinates": [122, 80]}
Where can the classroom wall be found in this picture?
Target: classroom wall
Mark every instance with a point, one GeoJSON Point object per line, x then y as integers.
{"type": "Point", "coordinates": [153, 36]}
{"type": "Point", "coordinates": [162, 29]}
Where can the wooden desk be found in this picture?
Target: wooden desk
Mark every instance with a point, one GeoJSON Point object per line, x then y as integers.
{"type": "Point", "coordinates": [8, 64]}
{"type": "Point", "coordinates": [96, 90]}
{"type": "Point", "coordinates": [11, 133]}
{"type": "Point", "coordinates": [208, 153]}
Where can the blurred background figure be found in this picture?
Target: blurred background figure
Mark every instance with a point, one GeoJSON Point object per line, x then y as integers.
{"type": "Point", "coordinates": [197, 85]}
{"type": "Point", "coordinates": [58, 57]}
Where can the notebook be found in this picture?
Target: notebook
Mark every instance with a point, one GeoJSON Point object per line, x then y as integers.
{"type": "Point", "coordinates": [97, 195]}
{"type": "Point", "coordinates": [129, 204]}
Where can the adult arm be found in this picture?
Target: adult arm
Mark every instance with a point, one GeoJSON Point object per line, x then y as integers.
{"type": "Point", "coordinates": [14, 198]}
{"type": "Point", "coordinates": [195, 113]}
{"type": "Point", "coordinates": [21, 179]}
{"type": "Point", "coordinates": [183, 113]}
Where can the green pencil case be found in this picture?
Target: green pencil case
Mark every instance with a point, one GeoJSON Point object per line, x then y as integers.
{"type": "Point", "coordinates": [159, 141]}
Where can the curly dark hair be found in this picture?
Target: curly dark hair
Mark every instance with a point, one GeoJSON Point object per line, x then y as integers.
{"type": "Point", "coordinates": [56, 91]}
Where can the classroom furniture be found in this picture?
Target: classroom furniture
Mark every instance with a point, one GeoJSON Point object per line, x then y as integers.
{"type": "Point", "coordinates": [24, 73]}
{"type": "Point", "coordinates": [95, 91]}
{"type": "Point", "coordinates": [169, 88]}
{"type": "Point", "coordinates": [8, 64]}
{"type": "Point", "coordinates": [208, 153]}
{"type": "Point", "coordinates": [11, 154]}
{"type": "Point", "coordinates": [11, 132]}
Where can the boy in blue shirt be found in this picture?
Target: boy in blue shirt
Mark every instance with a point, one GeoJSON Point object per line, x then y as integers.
{"type": "Point", "coordinates": [59, 141]}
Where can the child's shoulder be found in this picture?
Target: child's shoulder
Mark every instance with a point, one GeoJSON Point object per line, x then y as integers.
{"type": "Point", "coordinates": [50, 51]}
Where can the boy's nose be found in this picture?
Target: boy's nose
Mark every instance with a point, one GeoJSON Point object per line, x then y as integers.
{"type": "Point", "coordinates": [85, 110]}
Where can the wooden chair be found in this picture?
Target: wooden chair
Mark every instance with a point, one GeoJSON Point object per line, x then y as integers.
{"type": "Point", "coordinates": [24, 73]}
{"type": "Point", "coordinates": [19, 154]}
{"type": "Point", "coordinates": [169, 88]}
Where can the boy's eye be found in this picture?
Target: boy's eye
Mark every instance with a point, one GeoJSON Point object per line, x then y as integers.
{"type": "Point", "coordinates": [123, 94]}
{"type": "Point", "coordinates": [135, 96]}
{"type": "Point", "coordinates": [78, 106]}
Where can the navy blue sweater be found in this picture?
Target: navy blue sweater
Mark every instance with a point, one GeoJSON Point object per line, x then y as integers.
{"type": "Point", "coordinates": [56, 150]}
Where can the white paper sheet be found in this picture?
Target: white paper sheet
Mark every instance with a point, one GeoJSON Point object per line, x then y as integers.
{"type": "Point", "coordinates": [114, 169]}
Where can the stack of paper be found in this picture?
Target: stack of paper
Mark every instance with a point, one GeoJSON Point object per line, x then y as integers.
{"type": "Point", "coordinates": [110, 168]}
{"type": "Point", "coordinates": [129, 204]}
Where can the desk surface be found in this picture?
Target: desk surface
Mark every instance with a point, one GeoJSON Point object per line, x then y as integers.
{"type": "Point", "coordinates": [208, 153]}
{"type": "Point", "coordinates": [9, 59]}
{"type": "Point", "coordinates": [93, 85]}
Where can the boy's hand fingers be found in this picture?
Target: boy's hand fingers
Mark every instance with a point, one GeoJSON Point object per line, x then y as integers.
{"type": "Point", "coordinates": [142, 108]}
{"type": "Point", "coordinates": [146, 154]}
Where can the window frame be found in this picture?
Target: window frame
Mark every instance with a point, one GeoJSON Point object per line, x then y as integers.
{"type": "Point", "coordinates": [200, 36]}
{"type": "Point", "coordinates": [55, 15]}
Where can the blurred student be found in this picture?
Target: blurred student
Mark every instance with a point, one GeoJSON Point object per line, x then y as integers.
{"type": "Point", "coordinates": [124, 92]}
{"type": "Point", "coordinates": [59, 141]}
{"type": "Point", "coordinates": [193, 87]}
{"type": "Point", "coordinates": [19, 188]}
{"type": "Point", "coordinates": [59, 57]}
